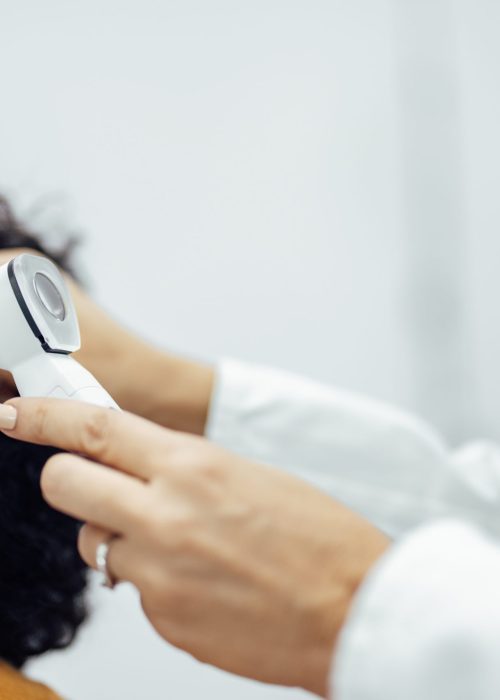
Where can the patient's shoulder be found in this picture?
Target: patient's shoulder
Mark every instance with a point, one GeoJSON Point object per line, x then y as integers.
{"type": "Point", "coordinates": [15, 686]}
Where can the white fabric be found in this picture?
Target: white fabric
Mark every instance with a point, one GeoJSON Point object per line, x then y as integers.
{"type": "Point", "coordinates": [426, 623]}
{"type": "Point", "coordinates": [420, 624]}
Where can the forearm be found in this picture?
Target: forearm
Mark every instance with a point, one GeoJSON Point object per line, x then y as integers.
{"type": "Point", "coordinates": [172, 391]}
{"type": "Point", "coordinates": [375, 459]}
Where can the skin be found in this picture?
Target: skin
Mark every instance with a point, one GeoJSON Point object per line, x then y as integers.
{"type": "Point", "coordinates": [243, 566]}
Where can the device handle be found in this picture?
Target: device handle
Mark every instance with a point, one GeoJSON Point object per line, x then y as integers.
{"type": "Point", "coordinates": [59, 376]}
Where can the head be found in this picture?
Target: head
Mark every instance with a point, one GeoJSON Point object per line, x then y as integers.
{"type": "Point", "coordinates": [42, 578]}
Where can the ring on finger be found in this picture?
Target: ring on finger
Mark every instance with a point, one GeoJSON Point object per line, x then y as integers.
{"type": "Point", "coordinates": [102, 566]}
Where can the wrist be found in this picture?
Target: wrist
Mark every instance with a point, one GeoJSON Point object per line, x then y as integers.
{"type": "Point", "coordinates": [169, 390]}
{"type": "Point", "coordinates": [334, 605]}
{"type": "Point", "coordinates": [179, 392]}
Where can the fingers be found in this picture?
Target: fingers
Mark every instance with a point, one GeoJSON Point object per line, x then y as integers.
{"type": "Point", "coordinates": [114, 438]}
{"type": "Point", "coordinates": [91, 492]}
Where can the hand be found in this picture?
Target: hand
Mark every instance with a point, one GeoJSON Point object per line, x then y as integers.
{"type": "Point", "coordinates": [241, 565]}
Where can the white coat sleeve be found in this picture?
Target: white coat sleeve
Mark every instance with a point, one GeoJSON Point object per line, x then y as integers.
{"type": "Point", "coordinates": [383, 463]}
{"type": "Point", "coordinates": [426, 622]}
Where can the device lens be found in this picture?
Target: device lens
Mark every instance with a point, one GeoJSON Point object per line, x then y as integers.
{"type": "Point", "coordinates": [49, 296]}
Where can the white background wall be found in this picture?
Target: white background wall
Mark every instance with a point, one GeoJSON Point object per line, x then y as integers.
{"type": "Point", "coordinates": [312, 184]}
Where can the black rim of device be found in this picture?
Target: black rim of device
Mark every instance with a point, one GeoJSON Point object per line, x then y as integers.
{"type": "Point", "coordinates": [26, 312]}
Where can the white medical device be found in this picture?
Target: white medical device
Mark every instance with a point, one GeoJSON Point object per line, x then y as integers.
{"type": "Point", "coordinates": [39, 331]}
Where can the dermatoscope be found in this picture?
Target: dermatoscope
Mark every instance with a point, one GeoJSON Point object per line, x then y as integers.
{"type": "Point", "coordinates": [39, 331]}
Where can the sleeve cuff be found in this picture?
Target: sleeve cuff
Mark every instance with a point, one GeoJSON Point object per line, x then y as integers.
{"type": "Point", "coordinates": [426, 622]}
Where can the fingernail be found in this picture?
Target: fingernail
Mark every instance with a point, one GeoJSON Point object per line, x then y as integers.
{"type": "Point", "coordinates": [8, 417]}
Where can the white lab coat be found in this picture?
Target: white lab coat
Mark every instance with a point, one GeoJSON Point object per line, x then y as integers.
{"type": "Point", "coordinates": [426, 623]}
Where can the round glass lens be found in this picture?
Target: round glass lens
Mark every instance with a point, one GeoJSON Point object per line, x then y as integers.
{"type": "Point", "coordinates": [49, 296]}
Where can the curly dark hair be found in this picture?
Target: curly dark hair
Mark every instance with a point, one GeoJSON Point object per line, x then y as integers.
{"type": "Point", "coordinates": [42, 578]}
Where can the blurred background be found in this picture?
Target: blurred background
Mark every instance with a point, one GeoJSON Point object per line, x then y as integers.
{"type": "Point", "coordinates": [308, 184]}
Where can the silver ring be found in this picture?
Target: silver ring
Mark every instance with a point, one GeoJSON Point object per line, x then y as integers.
{"type": "Point", "coordinates": [101, 558]}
